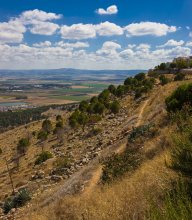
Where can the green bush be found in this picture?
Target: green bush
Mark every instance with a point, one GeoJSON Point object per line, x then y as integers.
{"type": "Point", "coordinates": [99, 108]}
{"type": "Point", "coordinates": [59, 124]}
{"type": "Point", "coordinates": [83, 106]}
{"type": "Point", "coordinates": [18, 200]}
{"type": "Point", "coordinates": [117, 165]}
{"type": "Point", "coordinates": [181, 150]}
{"type": "Point", "coordinates": [45, 155]}
{"type": "Point", "coordinates": [42, 135]}
{"type": "Point", "coordinates": [162, 66]}
{"type": "Point", "coordinates": [176, 205]}
{"type": "Point", "coordinates": [140, 76]}
{"type": "Point", "coordinates": [179, 77]}
{"type": "Point", "coordinates": [23, 145]}
{"type": "Point", "coordinates": [130, 81]}
{"type": "Point", "coordinates": [47, 126]}
{"type": "Point", "coordinates": [62, 163]}
{"type": "Point", "coordinates": [115, 107]}
{"type": "Point", "coordinates": [164, 80]}
{"type": "Point", "coordinates": [112, 89]}
{"type": "Point", "coordinates": [140, 132]}
{"type": "Point", "coordinates": [180, 97]}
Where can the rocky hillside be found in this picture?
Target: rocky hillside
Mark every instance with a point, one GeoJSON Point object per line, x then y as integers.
{"type": "Point", "coordinates": [75, 170]}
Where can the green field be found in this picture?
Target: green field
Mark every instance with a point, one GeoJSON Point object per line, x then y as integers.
{"type": "Point", "coordinates": [71, 97]}
{"type": "Point", "coordinates": [78, 94]}
{"type": "Point", "coordinates": [92, 88]}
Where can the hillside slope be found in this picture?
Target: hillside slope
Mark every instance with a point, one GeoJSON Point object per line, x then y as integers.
{"type": "Point", "coordinates": [132, 192]}
{"type": "Point", "coordinates": [77, 194]}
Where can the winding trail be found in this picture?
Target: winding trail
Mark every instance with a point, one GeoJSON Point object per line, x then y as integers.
{"type": "Point", "coordinates": [92, 172]}
{"type": "Point", "coordinates": [140, 116]}
{"type": "Point", "coordinates": [97, 174]}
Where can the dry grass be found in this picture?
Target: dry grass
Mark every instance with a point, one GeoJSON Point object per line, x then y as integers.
{"type": "Point", "coordinates": [129, 197]}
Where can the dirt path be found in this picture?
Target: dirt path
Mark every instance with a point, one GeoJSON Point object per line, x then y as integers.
{"type": "Point", "coordinates": [93, 181]}
{"type": "Point", "coordinates": [97, 174]}
{"type": "Point", "coordinates": [140, 116]}
{"type": "Point", "coordinates": [90, 175]}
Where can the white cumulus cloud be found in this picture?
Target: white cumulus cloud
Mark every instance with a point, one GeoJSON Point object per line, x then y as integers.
{"type": "Point", "coordinates": [12, 31]}
{"type": "Point", "coordinates": [44, 28]}
{"type": "Point", "coordinates": [109, 48]}
{"type": "Point", "coordinates": [39, 21]}
{"type": "Point", "coordinates": [43, 44]}
{"type": "Point", "coordinates": [77, 44]}
{"type": "Point", "coordinates": [78, 31]}
{"type": "Point", "coordinates": [149, 28]}
{"type": "Point", "coordinates": [189, 44]}
{"type": "Point", "coordinates": [109, 11]}
{"type": "Point", "coordinates": [108, 29]}
{"type": "Point", "coordinates": [38, 15]}
{"type": "Point", "coordinates": [172, 43]}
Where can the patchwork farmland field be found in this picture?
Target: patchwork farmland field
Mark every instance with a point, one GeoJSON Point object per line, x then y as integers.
{"type": "Point", "coordinates": [46, 87]}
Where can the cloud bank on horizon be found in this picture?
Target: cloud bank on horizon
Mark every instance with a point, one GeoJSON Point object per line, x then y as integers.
{"type": "Point", "coordinates": [42, 39]}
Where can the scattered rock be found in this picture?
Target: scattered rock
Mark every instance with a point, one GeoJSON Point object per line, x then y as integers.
{"type": "Point", "coordinates": [56, 178]}
{"type": "Point", "coordinates": [38, 175]}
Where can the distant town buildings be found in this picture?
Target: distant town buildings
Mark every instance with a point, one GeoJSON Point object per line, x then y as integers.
{"type": "Point", "coordinates": [15, 107]}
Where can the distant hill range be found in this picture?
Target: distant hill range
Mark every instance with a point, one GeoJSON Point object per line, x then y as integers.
{"type": "Point", "coordinates": [68, 74]}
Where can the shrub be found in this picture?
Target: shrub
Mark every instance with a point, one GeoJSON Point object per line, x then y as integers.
{"type": "Point", "coordinates": [62, 163]}
{"type": "Point", "coordinates": [120, 91]}
{"type": "Point", "coordinates": [45, 155]}
{"type": "Point", "coordinates": [181, 64]}
{"type": "Point", "coordinates": [99, 108]}
{"type": "Point", "coordinates": [153, 74]}
{"type": "Point", "coordinates": [59, 124]}
{"type": "Point", "coordinates": [173, 65]}
{"type": "Point", "coordinates": [181, 150]}
{"type": "Point", "coordinates": [94, 99]}
{"type": "Point", "coordinates": [179, 77]}
{"type": "Point", "coordinates": [163, 80]}
{"type": "Point", "coordinates": [140, 76]}
{"type": "Point", "coordinates": [47, 126]}
{"type": "Point", "coordinates": [22, 145]}
{"type": "Point", "coordinates": [34, 133]}
{"type": "Point", "coordinates": [138, 92]}
{"type": "Point", "coordinates": [177, 204]}
{"type": "Point", "coordinates": [59, 118]}
{"type": "Point", "coordinates": [104, 96]}
{"type": "Point", "coordinates": [115, 107]}
{"type": "Point", "coordinates": [42, 135]}
{"type": "Point", "coordinates": [83, 119]}
{"type": "Point", "coordinates": [83, 106]}
{"type": "Point", "coordinates": [112, 89]}
{"type": "Point", "coordinates": [162, 66]}
{"type": "Point", "coordinates": [18, 200]}
{"type": "Point", "coordinates": [139, 132]}
{"type": "Point", "coordinates": [117, 165]}
{"type": "Point", "coordinates": [130, 81]}
{"type": "Point", "coordinates": [180, 97]}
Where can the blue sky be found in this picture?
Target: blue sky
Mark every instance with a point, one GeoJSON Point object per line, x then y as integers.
{"type": "Point", "coordinates": [96, 34]}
